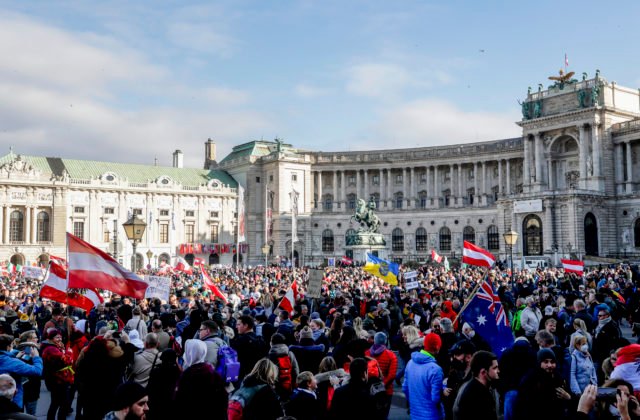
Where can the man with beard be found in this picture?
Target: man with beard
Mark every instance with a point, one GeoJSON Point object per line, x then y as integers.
{"type": "Point", "coordinates": [130, 403]}
{"type": "Point", "coordinates": [542, 394]}
{"type": "Point", "coordinates": [477, 398]}
{"type": "Point", "coordinates": [458, 373]}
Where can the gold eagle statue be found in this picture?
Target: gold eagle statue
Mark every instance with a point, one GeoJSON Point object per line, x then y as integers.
{"type": "Point", "coordinates": [562, 78]}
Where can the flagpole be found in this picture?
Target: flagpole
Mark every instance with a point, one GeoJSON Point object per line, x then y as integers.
{"type": "Point", "coordinates": [238, 229]}
{"type": "Point", "coordinates": [470, 298]}
{"type": "Point", "coordinates": [266, 220]}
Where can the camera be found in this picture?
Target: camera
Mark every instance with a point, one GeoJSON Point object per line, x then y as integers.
{"type": "Point", "coordinates": [635, 328]}
{"type": "Point", "coordinates": [607, 394]}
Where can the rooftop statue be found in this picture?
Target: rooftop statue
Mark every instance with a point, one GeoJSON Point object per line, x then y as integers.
{"type": "Point", "coordinates": [562, 79]}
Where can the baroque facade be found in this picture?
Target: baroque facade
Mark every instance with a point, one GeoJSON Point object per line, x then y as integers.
{"type": "Point", "coordinates": [567, 186]}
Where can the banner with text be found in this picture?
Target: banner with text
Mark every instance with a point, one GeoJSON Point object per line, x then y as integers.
{"type": "Point", "coordinates": [159, 287]}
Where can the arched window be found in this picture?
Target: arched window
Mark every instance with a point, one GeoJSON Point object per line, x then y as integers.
{"type": "Point", "coordinates": [214, 259]}
{"type": "Point", "coordinates": [469, 234]}
{"type": "Point", "coordinates": [591, 234]}
{"type": "Point", "coordinates": [421, 240]}
{"type": "Point", "coordinates": [43, 227]}
{"type": "Point", "coordinates": [399, 198]}
{"type": "Point", "coordinates": [397, 240]}
{"type": "Point", "coordinates": [16, 226]}
{"type": "Point", "coordinates": [327, 240]}
{"type": "Point", "coordinates": [422, 197]}
{"type": "Point", "coordinates": [493, 238]}
{"type": "Point", "coordinates": [445, 239]}
{"type": "Point", "coordinates": [189, 258]}
{"type": "Point", "coordinates": [350, 237]}
{"type": "Point", "coordinates": [351, 201]}
{"type": "Point", "coordinates": [328, 202]}
{"type": "Point", "coordinates": [532, 229]}
{"type": "Point", "coordinates": [164, 258]}
{"type": "Point", "coordinates": [636, 234]}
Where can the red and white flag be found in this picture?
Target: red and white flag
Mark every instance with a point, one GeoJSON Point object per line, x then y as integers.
{"type": "Point", "coordinates": [165, 268]}
{"type": "Point", "coordinates": [566, 60]}
{"type": "Point", "coordinates": [183, 265]}
{"type": "Point", "coordinates": [290, 298]}
{"type": "Point", "coordinates": [55, 288]}
{"type": "Point", "coordinates": [435, 256]}
{"type": "Point", "coordinates": [474, 255]}
{"type": "Point", "coordinates": [346, 261]}
{"type": "Point", "coordinates": [572, 266]}
{"type": "Point", "coordinates": [91, 268]}
{"type": "Point", "coordinates": [208, 282]}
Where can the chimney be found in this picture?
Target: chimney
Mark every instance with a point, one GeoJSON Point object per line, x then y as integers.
{"type": "Point", "coordinates": [209, 154]}
{"type": "Point", "coordinates": [178, 159]}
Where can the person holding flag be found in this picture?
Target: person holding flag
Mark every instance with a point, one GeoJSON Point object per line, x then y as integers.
{"type": "Point", "coordinates": [383, 269]}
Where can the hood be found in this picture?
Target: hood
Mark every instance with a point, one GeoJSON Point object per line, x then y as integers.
{"type": "Point", "coordinates": [417, 343]}
{"type": "Point", "coordinates": [421, 358]}
{"type": "Point", "coordinates": [324, 376]}
{"type": "Point", "coordinates": [448, 305]}
{"type": "Point", "coordinates": [279, 350]}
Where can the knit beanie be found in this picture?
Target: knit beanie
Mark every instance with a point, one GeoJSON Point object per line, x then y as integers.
{"type": "Point", "coordinates": [306, 333]}
{"type": "Point", "coordinates": [380, 338]}
{"type": "Point", "coordinates": [544, 354]}
{"type": "Point", "coordinates": [432, 343]}
{"type": "Point", "coordinates": [126, 394]}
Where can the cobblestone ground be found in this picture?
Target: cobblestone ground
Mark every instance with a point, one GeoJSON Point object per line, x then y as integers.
{"type": "Point", "coordinates": [398, 403]}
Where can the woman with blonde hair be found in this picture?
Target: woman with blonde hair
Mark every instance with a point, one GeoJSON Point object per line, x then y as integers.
{"type": "Point", "coordinates": [360, 331]}
{"type": "Point", "coordinates": [583, 371]}
{"type": "Point", "coordinates": [258, 393]}
{"type": "Point", "coordinates": [329, 379]}
{"type": "Point", "coordinates": [581, 330]}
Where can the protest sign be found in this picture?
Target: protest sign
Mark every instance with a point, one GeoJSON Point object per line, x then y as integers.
{"type": "Point", "coordinates": [159, 287]}
{"type": "Point", "coordinates": [314, 288]}
{"type": "Point", "coordinates": [32, 272]}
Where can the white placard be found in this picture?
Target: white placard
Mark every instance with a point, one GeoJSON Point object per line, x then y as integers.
{"type": "Point", "coordinates": [32, 272]}
{"type": "Point", "coordinates": [159, 287]}
{"type": "Point", "coordinates": [410, 275]}
{"type": "Point", "coordinates": [314, 288]}
{"type": "Point", "coordinates": [411, 285]}
{"type": "Point", "coordinates": [527, 206]}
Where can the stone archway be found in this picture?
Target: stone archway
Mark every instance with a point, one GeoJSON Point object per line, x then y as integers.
{"type": "Point", "coordinates": [43, 260]}
{"type": "Point", "coordinates": [591, 245]}
{"type": "Point", "coordinates": [532, 235]}
{"type": "Point", "coordinates": [17, 259]}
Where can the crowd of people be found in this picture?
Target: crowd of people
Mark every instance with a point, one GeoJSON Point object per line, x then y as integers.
{"type": "Point", "coordinates": [343, 355]}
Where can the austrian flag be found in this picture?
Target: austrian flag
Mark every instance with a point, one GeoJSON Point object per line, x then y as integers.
{"type": "Point", "coordinates": [572, 266]}
{"type": "Point", "coordinates": [290, 298]}
{"type": "Point", "coordinates": [474, 255]}
{"type": "Point", "coordinates": [435, 256]}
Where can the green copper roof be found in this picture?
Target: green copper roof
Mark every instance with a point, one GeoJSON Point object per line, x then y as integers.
{"type": "Point", "coordinates": [253, 148]}
{"type": "Point", "coordinates": [88, 169]}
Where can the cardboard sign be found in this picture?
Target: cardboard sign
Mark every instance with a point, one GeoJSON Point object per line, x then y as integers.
{"type": "Point", "coordinates": [159, 287]}
{"type": "Point", "coordinates": [32, 272]}
{"type": "Point", "coordinates": [410, 275]}
{"type": "Point", "coordinates": [314, 289]}
{"type": "Point", "coordinates": [411, 285]}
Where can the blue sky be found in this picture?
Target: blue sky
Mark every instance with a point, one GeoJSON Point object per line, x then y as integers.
{"type": "Point", "coordinates": [128, 81]}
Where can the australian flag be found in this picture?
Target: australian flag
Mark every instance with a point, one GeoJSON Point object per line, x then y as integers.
{"type": "Point", "coordinates": [488, 318]}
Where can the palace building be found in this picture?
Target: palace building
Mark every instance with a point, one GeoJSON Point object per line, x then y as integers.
{"type": "Point", "coordinates": [567, 186]}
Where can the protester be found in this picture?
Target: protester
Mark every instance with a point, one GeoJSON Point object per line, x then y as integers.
{"type": "Point", "coordinates": [423, 384]}
{"type": "Point", "coordinates": [354, 400]}
{"type": "Point", "coordinates": [162, 384]}
{"type": "Point", "coordinates": [18, 367]}
{"type": "Point", "coordinates": [58, 373]}
{"type": "Point", "coordinates": [478, 398]}
{"type": "Point", "coordinates": [304, 403]}
{"type": "Point", "coordinates": [257, 393]}
{"type": "Point", "coordinates": [387, 362]}
{"type": "Point", "coordinates": [145, 360]}
{"type": "Point", "coordinates": [130, 402]}
{"type": "Point", "coordinates": [9, 409]}
{"type": "Point", "coordinates": [583, 371]}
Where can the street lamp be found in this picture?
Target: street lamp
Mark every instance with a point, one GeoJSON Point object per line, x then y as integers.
{"type": "Point", "coordinates": [510, 238]}
{"type": "Point", "coordinates": [265, 251]}
{"type": "Point", "coordinates": [134, 228]}
{"type": "Point", "coordinates": [149, 255]}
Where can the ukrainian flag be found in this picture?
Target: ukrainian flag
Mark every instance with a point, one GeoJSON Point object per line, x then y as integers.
{"type": "Point", "coordinates": [386, 270]}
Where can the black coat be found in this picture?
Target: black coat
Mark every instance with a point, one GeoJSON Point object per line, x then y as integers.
{"type": "Point", "coordinates": [352, 401]}
{"type": "Point", "coordinates": [264, 405]}
{"type": "Point", "coordinates": [475, 401]}
{"type": "Point", "coordinates": [607, 339]}
{"type": "Point", "coordinates": [308, 355]}
{"type": "Point", "coordinates": [303, 406]}
{"type": "Point", "coordinates": [250, 349]}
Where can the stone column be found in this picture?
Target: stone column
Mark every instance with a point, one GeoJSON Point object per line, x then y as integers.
{"type": "Point", "coordinates": [358, 184]}
{"type": "Point", "coordinates": [414, 190]}
{"type": "Point", "coordinates": [336, 196]}
{"type": "Point", "coordinates": [320, 200]}
{"type": "Point", "coordinates": [27, 224]}
{"type": "Point", "coordinates": [547, 227]}
{"type": "Point", "coordinates": [436, 192]}
{"type": "Point", "coordinates": [619, 168]}
{"type": "Point", "coordinates": [2, 225]}
{"type": "Point", "coordinates": [34, 225]}
{"type": "Point", "coordinates": [461, 192]}
{"type": "Point", "coordinates": [595, 146]}
{"type": "Point", "coordinates": [629, 185]}
{"type": "Point", "coordinates": [527, 162]}
{"type": "Point", "coordinates": [428, 181]}
{"type": "Point", "coordinates": [551, 176]}
{"type": "Point", "coordinates": [452, 184]}
{"type": "Point", "coordinates": [389, 181]}
{"type": "Point", "coordinates": [583, 155]}
{"type": "Point", "coordinates": [7, 224]}
{"type": "Point", "coordinates": [476, 193]}
{"type": "Point", "coordinates": [366, 185]}
{"type": "Point", "coordinates": [343, 188]}
{"type": "Point", "coordinates": [500, 192]}
{"type": "Point", "coordinates": [381, 186]}
{"type": "Point", "coordinates": [538, 152]}
{"type": "Point", "coordinates": [508, 177]}
{"type": "Point", "coordinates": [405, 193]}
{"type": "Point", "coordinates": [484, 182]}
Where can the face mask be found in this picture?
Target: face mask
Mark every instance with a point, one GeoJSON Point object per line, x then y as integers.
{"type": "Point", "coordinates": [584, 348]}
{"type": "Point", "coordinates": [471, 334]}
{"type": "Point", "coordinates": [458, 364]}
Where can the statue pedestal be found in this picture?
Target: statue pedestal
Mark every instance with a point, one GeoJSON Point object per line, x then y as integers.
{"type": "Point", "coordinates": [362, 243]}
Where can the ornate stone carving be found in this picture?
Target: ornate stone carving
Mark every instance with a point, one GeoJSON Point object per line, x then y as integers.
{"type": "Point", "coordinates": [19, 167]}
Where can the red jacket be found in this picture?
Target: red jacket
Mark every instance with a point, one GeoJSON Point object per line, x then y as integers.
{"type": "Point", "coordinates": [388, 363]}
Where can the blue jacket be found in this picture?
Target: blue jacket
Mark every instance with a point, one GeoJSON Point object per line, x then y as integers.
{"type": "Point", "coordinates": [423, 387]}
{"type": "Point", "coordinates": [17, 368]}
{"type": "Point", "coordinates": [583, 372]}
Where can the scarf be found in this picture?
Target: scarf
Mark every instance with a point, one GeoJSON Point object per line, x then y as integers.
{"type": "Point", "coordinates": [377, 349]}
{"type": "Point", "coordinates": [602, 323]}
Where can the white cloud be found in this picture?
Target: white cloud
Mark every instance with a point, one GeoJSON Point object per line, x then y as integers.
{"type": "Point", "coordinates": [436, 122]}
{"type": "Point", "coordinates": [377, 79]}
{"type": "Point", "coordinates": [308, 91]}
{"type": "Point", "coordinates": [200, 37]}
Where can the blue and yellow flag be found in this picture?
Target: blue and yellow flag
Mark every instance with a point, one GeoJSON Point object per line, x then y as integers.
{"type": "Point", "coordinates": [386, 270]}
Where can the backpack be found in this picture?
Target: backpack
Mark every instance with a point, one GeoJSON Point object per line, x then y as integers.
{"type": "Point", "coordinates": [239, 401]}
{"type": "Point", "coordinates": [128, 329]}
{"type": "Point", "coordinates": [228, 366]}
{"type": "Point", "coordinates": [285, 375]}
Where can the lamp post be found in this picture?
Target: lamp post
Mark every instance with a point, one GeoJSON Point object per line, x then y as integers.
{"type": "Point", "coordinates": [134, 228]}
{"type": "Point", "coordinates": [510, 238]}
{"type": "Point", "coordinates": [265, 251]}
{"type": "Point", "coordinates": [149, 255]}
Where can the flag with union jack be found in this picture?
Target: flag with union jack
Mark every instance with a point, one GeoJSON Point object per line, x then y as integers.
{"type": "Point", "coordinates": [487, 316]}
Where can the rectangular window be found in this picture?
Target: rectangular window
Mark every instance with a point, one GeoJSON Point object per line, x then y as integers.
{"type": "Point", "coordinates": [214, 234]}
{"type": "Point", "coordinates": [78, 229]}
{"type": "Point", "coordinates": [164, 212]}
{"type": "Point", "coordinates": [398, 179]}
{"type": "Point", "coordinates": [270, 178]}
{"type": "Point", "coordinates": [423, 178]}
{"type": "Point", "coordinates": [352, 180]}
{"type": "Point", "coordinates": [294, 178]}
{"type": "Point", "coordinates": [376, 180]}
{"type": "Point", "coordinates": [257, 180]}
{"type": "Point", "coordinates": [78, 210]}
{"type": "Point", "coordinates": [235, 233]}
{"type": "Point", "coordinates": [214, 214]}
{"type": "Point", "coordinates": [106, 236]}
{"type": "Point", "coordinates": [109, 210]}
{"type": "Point", "coordinates": [189, 233]}
{"type": "Point", "coordinates": [235, 214]}
{"type": "Point", "coordinates": [164, 233]}
{"type": "Point", "coordinates": [137, 212]}
{"type": "Point", "coordinates": [189, 213]}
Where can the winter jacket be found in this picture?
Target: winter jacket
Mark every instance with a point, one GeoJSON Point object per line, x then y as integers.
{"type": "Point", "coordinates": [143, 362]}
{"type": "Point", "coordinates": [16, 368]}
{"type": "Point", "coordinates": [303, 406]}
{"type": "Point", "coordinates": [423, 387]}
{"type": "Point", "coordinates": [213, 343]}
{"type": "Point", "coordinates": [200, 384]}
{"type": "Point", "coordinates": [476, 401]}
{"type": "Point", "coordinates": [325, 388]}
{"type": "Point", "coordinates": [605, 340]}
{"type": "Point", "coordinates": [264, 405]}
{"type": "Point", "coordinates": [55, 360]}
{"type": "Point", "coordinates": [530, 320]}
{"type": "Point", "coordinates": [388, 363]}
{"type": "Point", "coordinates": [583, 372]}
{"type": "Point", "coordinates": [281, 350]}
{"type": "Point", "coordinates": [250, 348]}
{"type": "Point", "coordinates": [515, 363]}
{"type": "Point", "coordinates": [308, 355]}
{"type": "Point", "coordinates": [353, 401]}
{"type": "Point", "coordinates": [136, 323]}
